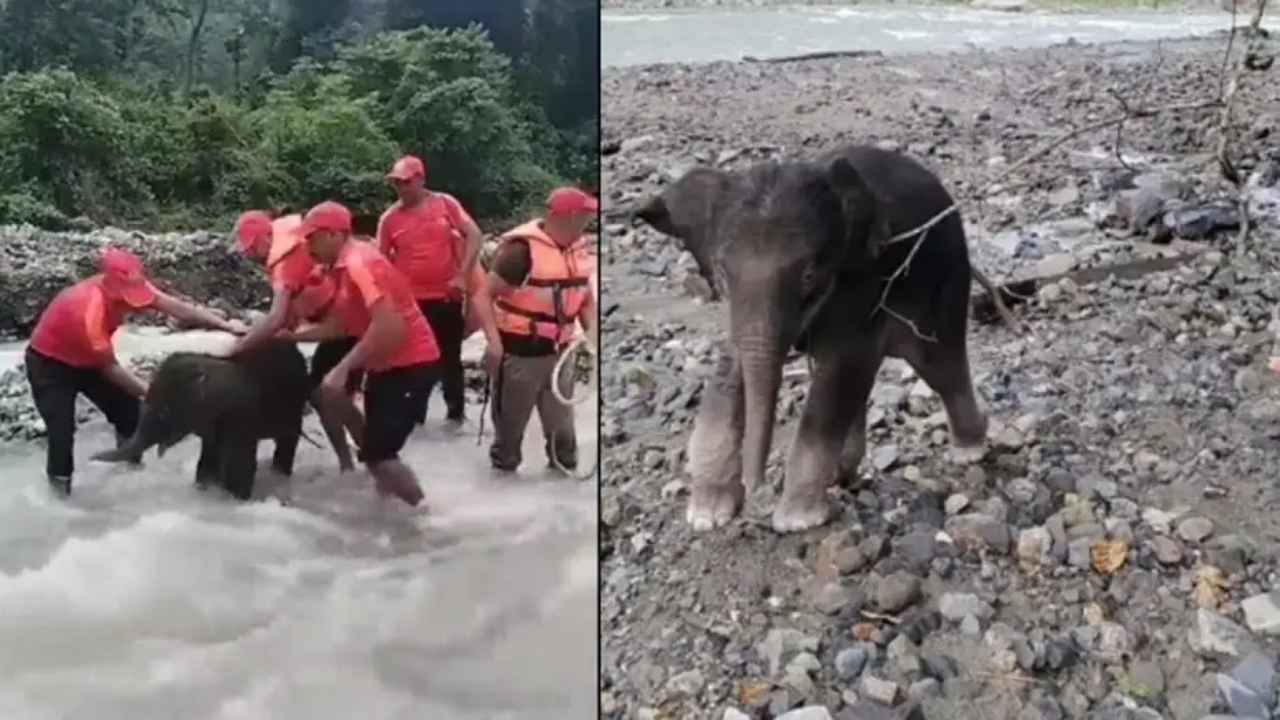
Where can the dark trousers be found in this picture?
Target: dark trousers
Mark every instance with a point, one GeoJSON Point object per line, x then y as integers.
{"type": "Point", "coordinates": [54, 386]}
{"type": "Point", "coordinates": [327, 356]}
{"type": "Point", "coordinates": [446, 321]}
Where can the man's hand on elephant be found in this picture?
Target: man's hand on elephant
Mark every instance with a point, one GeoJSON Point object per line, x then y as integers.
{"type": "Point", "coordinates": [236, 327]}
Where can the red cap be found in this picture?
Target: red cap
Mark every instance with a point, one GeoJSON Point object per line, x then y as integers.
{"type": "Point", "coordinates": [407, 168]}
{"type": "Point", "coordinates": [328, 215]}
{"type": "Point", "coordinates": [571, 201]}
{"type": "Point", "coordinates": [251, 227]}
{"type": "Point", "coordinates": [124, 278]}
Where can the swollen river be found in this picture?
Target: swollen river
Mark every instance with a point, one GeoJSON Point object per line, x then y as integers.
{"type": "Point", "coordinates": [142, 598]}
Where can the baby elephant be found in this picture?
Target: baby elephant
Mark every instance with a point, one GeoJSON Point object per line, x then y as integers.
{"type": "Point", "coordinates": [230, 405]}
{"type": "Point", "coordinates": [809, 255]}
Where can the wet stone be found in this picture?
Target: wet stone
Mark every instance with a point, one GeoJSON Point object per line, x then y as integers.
{"type": "Point", "coordinates": [1195, 529]}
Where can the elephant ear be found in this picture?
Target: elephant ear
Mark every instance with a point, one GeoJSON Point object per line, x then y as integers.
{"type": "Point", "coordinates": [866, 224]}
{"type": "Point", "coordinates": [688, 209]}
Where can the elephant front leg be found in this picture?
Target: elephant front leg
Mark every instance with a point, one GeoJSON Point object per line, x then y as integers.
{"type": "Point", "coordinates": [237, 463]}
{"type": "Point", "coordinates": [834, 420]}
{"type": "Point", "coordinates": [715, 450]}
{"type": "Point", "coordinates": [207, 465]}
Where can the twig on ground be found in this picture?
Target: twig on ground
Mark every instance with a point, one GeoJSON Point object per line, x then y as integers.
{"type": "Point", "coordinates": [879, 616]}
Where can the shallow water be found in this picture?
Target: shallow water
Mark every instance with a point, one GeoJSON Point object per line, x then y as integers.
{"type": "Point", "coordinates": [637, 38]}
{"type": "Point", "coordinates": [142, 597]}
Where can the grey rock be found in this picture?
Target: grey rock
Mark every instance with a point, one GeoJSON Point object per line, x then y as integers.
{"type": "Point", "coordinates": [831, 598]}
{"type": "Point", "coordinates": [1149, 676]}
{"type": "Point", "coordinates": [897, 591]}
{"type": "Point", "coordinates": [904, 655]}
{"type": "Point", "coordinates": [884, 457]}
{"type": "Point", "coordinates": [1195, 529]}
{"type": "Point", "coordinates": [1041, 707]}
{"type": "Point", "coordinates": [1262, 613]}
{"type": "Point", "coordinates": [1139, 208]}
{"type": "Point", "coordinates": [809, 712]}
{"type": "Point", "coordinates": [686, 684]}
{"type": "Point", "coordinates": [1243, 701]}
{"type": "Point", "coordinates": [1078, 552]}
{"type": "Point", "coordinates": [955, 504]}
{"type": "Point", "coordinates": [1166, 550]}
{"type": "Point", "coordinates": [851, 661]}
{"type": "Point", "coordinates": [957, 606]}
{"type": "Point", "coordinates": [978, 530]}
{"type": "Point", "coordinates": [1216, 635]}
{"type": "Point", "coordinates": [736, 714]}
{"type": "Point", "coordinates": [1107, 641]}
{"type": "Point", "coordinates": [882, 691]}
{"type": "Point", "coordinates": [1258, 673]}
{"type": "Point", "coordinates": [783, 641]}
{"type": "Point", "coordinates": [970, 626]}
{"type": "Point", "coordinates": [922, 690]}
{"type": "Point", "coordinates": [1034, 545]}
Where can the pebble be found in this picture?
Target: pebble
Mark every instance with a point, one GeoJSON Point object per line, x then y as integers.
{"type": "Point", "coordinates": [897, 592]}
{"type": "Point", "coordinates": [809, 712]}
{"type": "Point", "coordinates": [1034, 545]}
{"type": "Point", "coordinates": [736, 714]}
{"type": "Point", "coordinates": [884, 457]}
{"type": "Point", "coordinates": [978, 530]}
{"type": "Point", "coordinates": [851, 661]}
{"type": "Point", "coordinates": [686, 684]}
{"type": "Point", "coordinates": [1166, 550]}
{"type": "Point", "coordinates": [922, 690]}
{"type": "Point", "coordinates": [882, 691]}
{"type": "Point", "coordinates": [1217, 635]}
{"type": "Point", "coordinates": [956, 503]}
{"type": "Point", "coordinates": [831, 598]}
{"type": "Point", "coordinates": [1195, 529]}
{"type": "Point", "coordinates": [958, 606]}
{"type": "Point", "coordinates": [1262, 613]}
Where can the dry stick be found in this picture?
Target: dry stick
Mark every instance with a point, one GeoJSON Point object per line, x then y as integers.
{"type": "Point", "coordinates": [1045, 149]}
{"type": "Point", "coordinates": [1225, 165]}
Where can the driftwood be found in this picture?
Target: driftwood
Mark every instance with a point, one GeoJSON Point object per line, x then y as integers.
{"type": "Point", "coordinates": [1017, 292]}
{"type": "Point", "coordinates": [824, 55]}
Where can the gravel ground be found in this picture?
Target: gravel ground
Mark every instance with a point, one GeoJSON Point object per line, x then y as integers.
{"type": "Point", "coordinates": [1111, 557]}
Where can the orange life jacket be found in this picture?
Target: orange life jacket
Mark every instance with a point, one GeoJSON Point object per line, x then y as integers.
{"type": "Point", "coordinates": [558, 284]}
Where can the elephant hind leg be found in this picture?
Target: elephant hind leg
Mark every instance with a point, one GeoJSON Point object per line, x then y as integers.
{"type": "Point", "coordinates": [944, 366]}
{"type": "Point", "coordinates": [207, 470]}
{"type": "Point", "coordinates": [286, 441]}
{"type": "Point", "coordinates": [834, 419]}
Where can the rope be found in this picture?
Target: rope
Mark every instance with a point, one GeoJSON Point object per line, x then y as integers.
{"type": "Point", "coordinates": [593, 389]}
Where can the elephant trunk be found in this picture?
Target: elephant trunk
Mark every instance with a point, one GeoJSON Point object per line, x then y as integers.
{"type": "Point", "coordinates": [129, 451]}
{"type": "Point", "coordinates": [761, 359]}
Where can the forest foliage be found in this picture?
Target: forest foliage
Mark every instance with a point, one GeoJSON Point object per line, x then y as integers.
{"type": "Point", "coordinates": [181, 113]}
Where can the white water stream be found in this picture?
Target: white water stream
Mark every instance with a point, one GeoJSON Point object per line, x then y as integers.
{"type": "Point", "coordinates": [142, 598]}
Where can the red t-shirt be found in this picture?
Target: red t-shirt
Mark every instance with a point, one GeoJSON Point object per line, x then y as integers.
{"type": "Point", "coordinates": [77, 326]}
{"type": "Point", "coordinates": [424, 243]}
{"type": "Point", "coordinates": [364, 276]}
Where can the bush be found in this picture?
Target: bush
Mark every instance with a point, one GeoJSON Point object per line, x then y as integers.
{"type": "Point", "coordinates": [144, 155]}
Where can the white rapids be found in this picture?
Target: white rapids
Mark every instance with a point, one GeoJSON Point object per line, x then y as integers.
{"type": "Point", "coordinates": [143, 598]}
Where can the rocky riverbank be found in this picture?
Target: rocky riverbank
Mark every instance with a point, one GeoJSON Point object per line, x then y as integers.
{"type": "Point", "coordinates": [1004, 5]}
{"type": "Point", "coordinates": [1113, 555]}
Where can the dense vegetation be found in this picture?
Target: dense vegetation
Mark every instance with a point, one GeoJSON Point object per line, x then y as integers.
{"type": "Point", "coordinates": [180, 113]}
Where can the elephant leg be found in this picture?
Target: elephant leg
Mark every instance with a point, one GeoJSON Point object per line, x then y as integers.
{"type": "Point", "coordinates": [207, 465]}
{"type": "Point", "coordinates": [286, 450]}
{"type": "Point", "coordinates": [862, 379]}
{"type": "Point", "coordinates": [835, 412]}
{"type": "Point", "coordinates": [237, 463]}
{"type": "Point", "coordinates": [945, 369]}
{"type": "Point", "coordinates": [715, 450]}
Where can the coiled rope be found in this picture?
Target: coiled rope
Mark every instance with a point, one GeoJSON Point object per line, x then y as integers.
{"type": "Point", "coordinates": [592, 393]}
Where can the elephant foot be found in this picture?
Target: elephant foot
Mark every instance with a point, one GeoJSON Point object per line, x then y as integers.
{"type": "Point", "coordinates": [797, 513]}
{"type": "Point", "coordinates": [713, 506]}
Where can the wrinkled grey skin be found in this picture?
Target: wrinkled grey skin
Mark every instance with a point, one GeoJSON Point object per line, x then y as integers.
{"type": "Point", "coordinates": [230, 405]}
{"type": "Point", "coordinates": [800, 250]}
